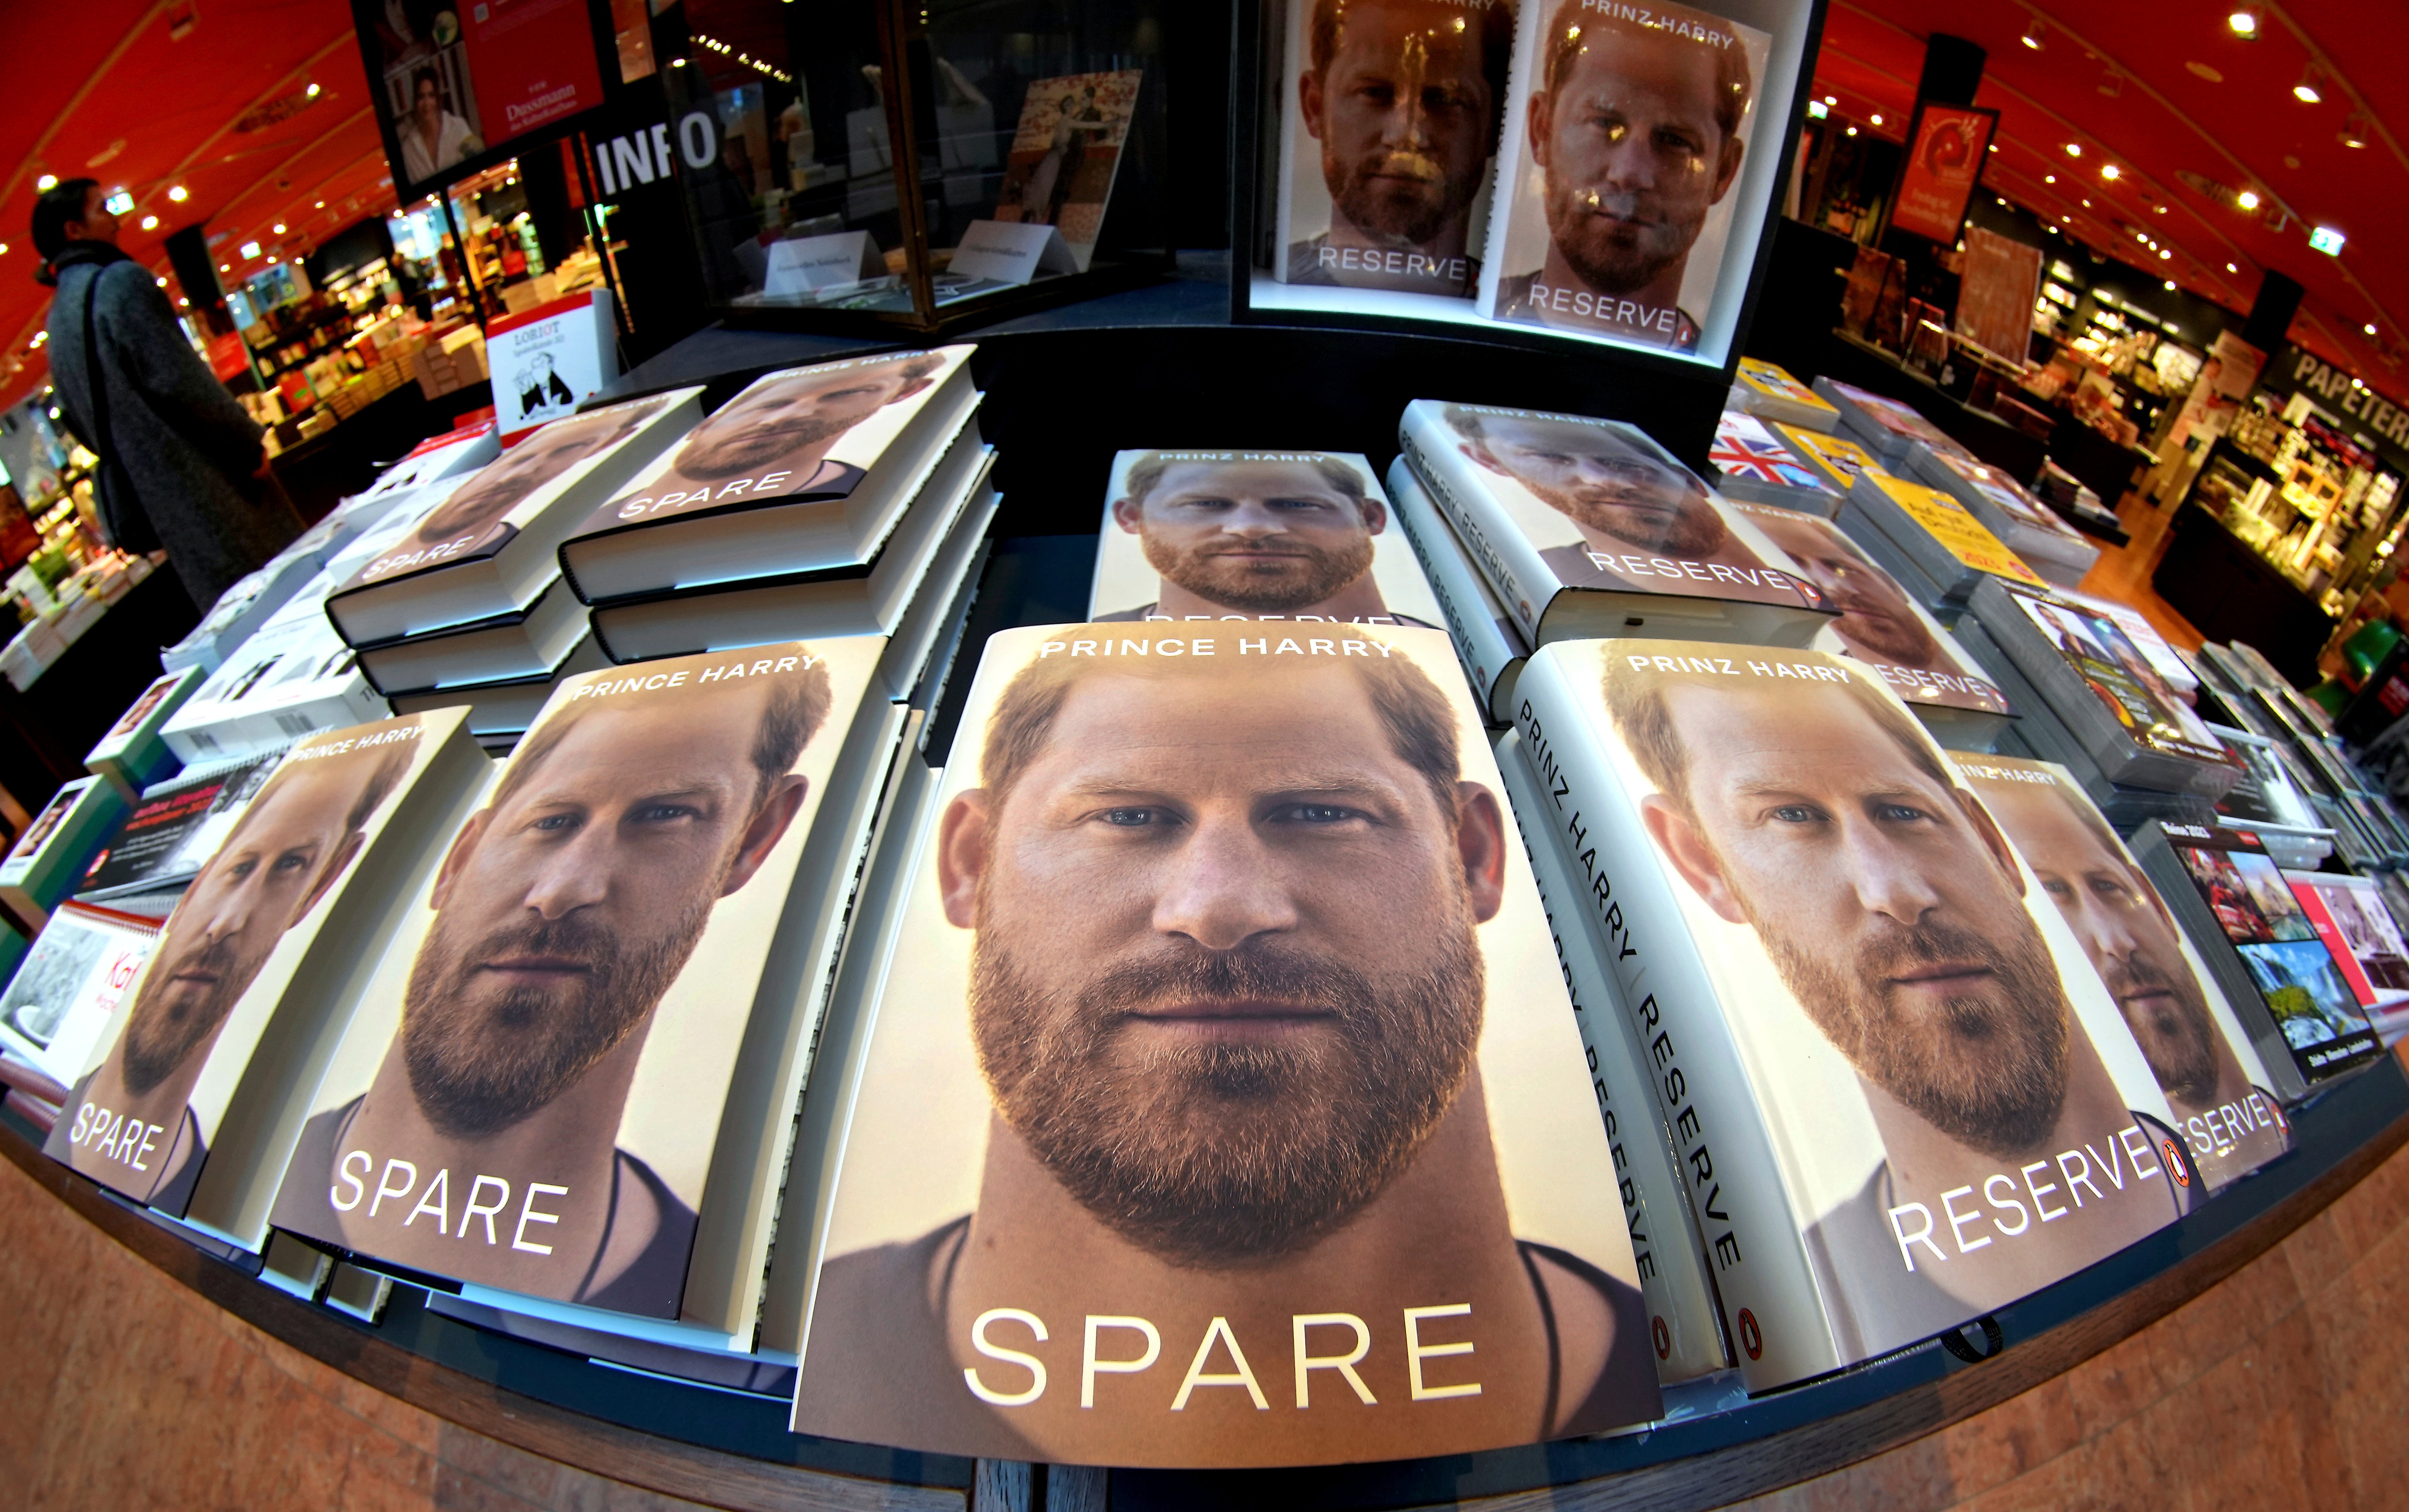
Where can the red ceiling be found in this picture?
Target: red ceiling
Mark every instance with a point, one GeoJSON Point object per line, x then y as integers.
{"type": "Point", "coordinates": [2166, 92]}
{"type": "Point", "coordinates": [118, 94]}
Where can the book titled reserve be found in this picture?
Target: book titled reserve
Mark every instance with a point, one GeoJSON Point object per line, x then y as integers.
{"type": "Point", "coordinates": [1902, 1097]}
{"type": "Point", "coordinates": [1485, 638]}
{"type": "Point", "coordinates": [1588, 528]}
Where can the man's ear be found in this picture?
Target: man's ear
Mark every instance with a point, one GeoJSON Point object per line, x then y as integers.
{"type": "Point", "coordinates": [1481, 841]}
{"type": "Point", "coordinates": [455, 860]}
{"type": "Point", "coordinates": [1728, 169]}
{"type": "Point", "coordinates": [345, 853]}
{"type": "Point", "coordinates": [1130, 515]}
{"type": "Point", "coordinates": [1993, 841]}
{"type": "Point", "coordinates": [1308, 101]}
{"type": "Point", "coordinates": [1677, 835]}
{"type": "Point", "coordinates": [1535, 127]}
{"type": "Point", "coordinates": [1376, 516]}
{"type": "Point", "coordinates": [962, 855]}
{"type": "Point", "coordinates": [767, 828]}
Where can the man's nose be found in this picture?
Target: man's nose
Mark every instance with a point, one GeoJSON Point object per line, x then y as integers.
{"type": "Point", "coordinates": [1253, 521]}
{"type": "Point", "coordinates": [2110, 928]}
{"type": "Point", "coordinates": [577, 876]}
{"type": "Point", "coordinates": [1626, 160]}
{"type": "Point", "coordinates": [1220, 890]}
{"type": "Point", "coordinates": [1888, 879]}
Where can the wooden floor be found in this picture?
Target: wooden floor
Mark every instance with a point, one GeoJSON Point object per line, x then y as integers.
{"type": "Point", "coordinates": [2123, 572]}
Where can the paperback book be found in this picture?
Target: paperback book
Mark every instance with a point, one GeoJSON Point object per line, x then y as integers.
{"type": "Point", "coordinates": [68, 985]}
{"type": "Point", "coordinates": [1487, 642]}
{"type": "Point", "coordinates": [490, 549]}
{"type": "Point", "coordinates": [2196, 1049]}
{"type": "Point", "coordinates": [1224, 535]}
{"type": "Point", "coordinates": [1889, 1126]}
{"type": "Point", "coordinates": [809, 470]}
{"type": "Point", "coordinates": [2023, 524]}
{"type": "Point", "coordinates": [1941, 540]}
{"type": "Point", "coordinates": [1888, 427]}
{"type": "Point", "coordinates": [134, 754]}
{"type": "Point", "coordinates": [2358, 931]}
{"type": "Point", "coordinates": [1767, 391]}
{"type": "Point", "coordinates": [51, 857]}
{"type": "Point", "coordinates": [191, 1099]}
{"type": "Point", "coordinates": [1750, 463]}
{"type": "Point", "coordinates": [1587, 529]}
{"type": "Point", "coordinates": [1835, 460]}
{"type": "Point", "coordinates": [2282, 980]}
{"type": "Point", "coordinates": [1161, 1054]}
{"type": "Point", "coordinates": [174, 828]}
{"type": "Point", "coordinates": [569, 1081]}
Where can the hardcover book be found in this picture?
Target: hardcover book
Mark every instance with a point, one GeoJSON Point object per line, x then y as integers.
{"type": "Point", "coordinates": [569, 1082]}
{"type": "Point", "coordinates": [1574, 244]}
{"type": "Point", "coordinates": [491, 547]}
{"type": "Point", "coordinates": [174, 828]}
{"type": "Point", "coordinates": [191, 1099]}
{"type": "Point", "coordinates": [1588, 528]}
{"type": "Point", "coordinates": [2283, 982]}
{"type": "Point", "coordinates": [1684, 1327]}
{"type": "Point", "coordinates": [1943, 542]}
{"type": "Point", "coordinates": [1388, 121]}
{"type": "Point", "coordinates": [508, 707]}
{"type": "Point", "coordinates": [2163, 658]}
{"type": "Point", "coordinates": [901, 592]}
{"type": "Point", "coordinates": [1227, 535]}
{"type": "Point", "coordinates": [134, 754]}
{"type": "Point", "coordinates": [1832, 457]}
{"type": "Point", "coordinates": [807, 470]}
{"type": "Point", "coordinates": [242, 608]}
{"type": "Point", "coordinates": [2023, 524]}
{"type": "Point", "coordinates": [525, 642]}
{"type": "Point", "coordinates": [2196, 1049]}
{"type": "Point", "coordinates": [1228, 1026]}
{"type": "Point", "coordinates": [1888, 427]}
{"type": "Point", "coordinates": [2358, 931]}
{"type": "Point", "coordinates": [68, 985]}
{"type": "Point", "coordinates": [292, 678]}
{"type": "Point", "coordinates": [55, 850]}
{"type": "Point", "coordinates": [1767, 391]}
{"type": "Point", "coordinates": [1749, 462]}
{"type": "Point", "coordinates": [1903, 1098]}
{"type": "Point", "coordinates": [1881, 625]}
{"type": "Point", "coordinates": [1487, 643]}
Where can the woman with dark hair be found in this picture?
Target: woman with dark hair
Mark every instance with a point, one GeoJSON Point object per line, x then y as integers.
{"type": "Point", "coordinates": [180, 460]}
{"type": "Point", "coordinates": [432, 137]}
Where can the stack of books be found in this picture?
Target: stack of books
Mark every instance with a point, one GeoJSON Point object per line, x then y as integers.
{"type": "Point", "coordinates": [1888, 428]}
{"type": "Point", "coordinates": [1750, 463]}
{"type": "Point", "coordinates": [843, 499]}
{"type": "Point", "coordinates": [134, 754]}
{"type": "Point", "coordinates": [2023, 524]}
{"type": "Point", "coordinates": [1767, 391]}
{"type": "Point", "coordinates": [1487, 640]}
{"type": "Point", "coordinates": [1928, 541]}
{"type": "Point", "coordinates": [51, 857]}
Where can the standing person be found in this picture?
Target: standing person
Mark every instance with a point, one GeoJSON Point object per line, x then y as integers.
{"type": "Point", "coordinates": [181, 463]}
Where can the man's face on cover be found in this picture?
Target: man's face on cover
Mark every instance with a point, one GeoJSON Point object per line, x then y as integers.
{"type": "Point", "coordinates": [1225, 982]}
{"type": "Point", "coordinates": [288, 845]}
{"type": "Point", "coordinates": [1887, 903]}
{"type": "Point", "coordinates": [565, 911]}
{"type": "Point", "coordinates": [1876, 617]}
{"type": "Point", "coordinates": [500, 487]}
{"type": "Point", "coordinates": [2126, 932]}
{"type": "Point", "coordinates": [1404, 116]}
{"type": "Point", "coordinates": [1633, 154]}
{"type": "Point", "coordinates": [1265, 537]}
{"type": "Point", "coordinates": [761, 425]}
{"type": "Point", "coordinates": [1594, 477]}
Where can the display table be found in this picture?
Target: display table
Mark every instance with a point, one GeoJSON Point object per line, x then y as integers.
{"type": "Point", "coordinates": [46, 729]}
{"type": "Point", "coordinates": [2213, 578]}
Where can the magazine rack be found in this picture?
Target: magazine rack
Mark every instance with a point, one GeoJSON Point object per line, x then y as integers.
{"type": "Point", "coordinates": [912, 167]}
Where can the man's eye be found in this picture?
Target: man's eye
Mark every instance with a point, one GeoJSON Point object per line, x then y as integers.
{"type": "Point", "coordinates": [292, 861]}
{"type": "Point", "coordinates": [241, 870]}
{"type": "Point", "coordinates": [1798, 813]}
{"type": "Point", "coordinates": [1203, 503]}
{"type": "Point", "coordinates": [1674, 141]}
{"type": "Point", "coordinates": [1307, 504]}
{"type": "Point", "coordinates": [1130, 818]}
{"type": "Point", "coordinates": [1899, 813]}
{"type": "Point", "coordinates": [1321, 814]}
{"type": "Point", "coordinates": [662, 812]}
{"type": "Point", "coordinates": [2057, 889]}
{"type": "Point", "coordinates": [1379, 95]}
{"type": "Point", "coordinates": [2111, 888]}
{"type": "Point", "coordinates": [553, 823]}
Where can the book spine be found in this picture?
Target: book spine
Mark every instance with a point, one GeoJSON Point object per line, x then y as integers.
{"type": "Point", "coordinates": [2154, 848]}
{"type": "Point", "coordinates": [1773, 1309]}
{"type": "Point", "coordinates": [1685, 1325]}
{"type": "Point", "coordinates": [1497, 545]}
{"type": "Point", "coordinates": [1488, 649]}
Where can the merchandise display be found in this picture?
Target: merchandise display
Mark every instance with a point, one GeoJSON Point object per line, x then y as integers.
{"type": "Point", "coordinates": [1487, 640]}
{"type": "Point", "coordinates": [134, 754]}
{"type": "Point", "coordinates": [1945, 551]}
{"type": "Point", "coordinates": [51, 857]}
{"type": "Point", "coordinates": [1767, 391]}
{"type": "Point", "coordinates": [66, 989]}
{"type": "Point", "coordinates": [1750, 463]}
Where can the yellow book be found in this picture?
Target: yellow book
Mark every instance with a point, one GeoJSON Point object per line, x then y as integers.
{"type": "Point", "coordinates": [1954, 527]}
{"type": "Point", "coordinates": [1838, 459]}
{"type": "Point", "coordinates": [1767, 391]}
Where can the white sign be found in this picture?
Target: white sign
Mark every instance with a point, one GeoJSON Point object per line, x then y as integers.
{"type": "Point", "coordinates": [547, 360]}
{"type": "Point", "coordinates": [803, 264]}
{"type": "Point", "coordinates": [1011, 253]}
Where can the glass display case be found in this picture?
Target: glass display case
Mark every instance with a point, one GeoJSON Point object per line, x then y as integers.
{"type": "Point", "coordinates": [866, 164]}
{"type": "Point", "coordinates": [2319, 508]}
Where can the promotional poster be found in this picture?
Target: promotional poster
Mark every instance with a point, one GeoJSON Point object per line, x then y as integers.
{"type": "Point", "coordinates": [1942, 168]}
{"type": "Point", "coordinates": [1959, 1113]}
{"type": "Point", "coordinates": [548, 360]}
{"type": "Point", "coordinates": [142, 1118]}
{"type": "Point", "coordinates": [1605, 506]}
{"type": "Point", "coordinates": [1389, 111]}
{"type": "Point", "coordinates": [454, 82]}
{"type": "Point", "coordinates": [1225, 1106]}
{"type": "Point", "coordinates": [1202, 535]}
{"type": "Point", "coordinates": [1622, 140]}
{"type": "Point", "coordinates": [803, 433]}
{"type": "Point", "coordinates": [1065, 154]}
{"type": "Point", "coordinates": [503, 497]}
{"type": "Point", "coordinates": [2199, 1052]}
{"type": "Point", "coordinates": [1880, 622]}
{"type": "Point", "coordinates": [529, 1089]}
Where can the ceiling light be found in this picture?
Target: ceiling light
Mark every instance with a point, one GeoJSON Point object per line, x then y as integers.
{"type": "Point", "coordinates": [2110, 172]}
{"type": "Point", "coordinates": [2205, 71]}
{"type": "Point", "coordinates": [2158, 209]}
{"type": "Point", "coordinates": [1992, 148]}
{"type": "Point", "coordinates": [2032, 35]}
{"type": "Point", "coordinates": [2354, 131]}
{"type": "Point", "coordinates": [2049, 178]}
{"type": "Point", "coordinates": [2171, 285]}
{"type": "Point", "coordinates": [224, 268]}
{"type": "Point", "coordinates": [2074, 149]}
{"type": "Point", "coordinates": [249, 249]}
{"type": "Point", "coordinates": [47, 181]}
{"type": "Point", "coordinates": [179, 194]}
{"type": "Point", "coordinates": [149, 222]}
{"type": "Point", "coordinates": [2306, 89]}
{"type": "Point", "coordinates": [312, 90]}
{"type": "Point", "coordinates": [280, 228]}
{"type": "Point", "coordinates": [2231, 268]}
{"type": "Point", "coordinates": [2325, 238]}
{"type": "Point", "coordinates": [1817, 110]}
{"type": "Point", "coordinates": [321, 205]}
{"type": "Point", "coordinates": [2164, 253]}
{"type": "Point", "coordinates": [2243, 24]}
{"type": "Point", "coordinates": [2087, 204]}
{"type": "Point", "coordinates": [1831, 99]}
{"type": "Point", "coordinates": [2248, 199]}
{"type": "Point", "coordinates": [2369, 327]}
{"type": "Point", "coordinates": [1853, 130]}
{"type": "Point", "coordinates": [1875, 118]}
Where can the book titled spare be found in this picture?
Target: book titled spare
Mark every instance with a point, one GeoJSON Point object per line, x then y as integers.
{"type": "Point", "coordinates": [1227, 1045]}
{"type": "Point", "coordinates": [807, 470]}
{"type": "Point", "coordinates": [1902, 1095]}
{"type": "Point", "coordinates": [490, 548]}
{"type": "Point", "coordinates": [191, 1100]}
{"type": "Point", "coordinates": [1588, 528]}
{"type": "Point", "coordinates": [575, 1067]}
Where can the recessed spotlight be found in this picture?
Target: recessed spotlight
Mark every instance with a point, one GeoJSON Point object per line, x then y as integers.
{"type": "Point", "coordinates": [2074, 149]}
{"type": "Point", "coordinates": [2049, 178]}
{"type": "Point", "coordinates": [47, 183]}
{"type": "Point", "coordinates": [280, 228]}
{"type": "Point", "coordinates": [179, 194]}
{"type": "Point", "coordinates": [2243, 24]}
{"type": "Point", "coordinates": [321, 205]}
{"type": "Point", "coordinates": [1853, 130]}
{"type": "Point", "coordinates": [1831, 99]}
{"type": "Point", "coordinates": [312, 90]}
{"type": "Point", "coordinates": [2158, 209]}
{"type": "Point", "coordinates": [2369, 327]}
{"type": "Point", "coordinates": [2110, 172]}
{"type": "Point", "coordinates": [149, 222]}
{"type": "Point", "coordinates": [2164, 254]}
{"type": "Point", "coordinates": [2171, 285]}
{"type": "Point", "coordinates": [2230, 267]}
{"type": "Point", "coordinates": [1875, 118]}
{"type": "Point", "coordinates": [2087, 204]}
{"type": "Point", "coordinates": [2248, 199]}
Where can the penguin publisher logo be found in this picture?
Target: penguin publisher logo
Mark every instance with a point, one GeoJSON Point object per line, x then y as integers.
{"type": "Point", "coordinates": [1663, 1335]}
{"type": "Point", "coordinates": [1752, 1338]}
{"type": "Point", "coordinates": [2175, 1162]}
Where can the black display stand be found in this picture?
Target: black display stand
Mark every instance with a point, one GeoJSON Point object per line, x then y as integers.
{"type": "Point", "coordinates": [2212, 577]}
